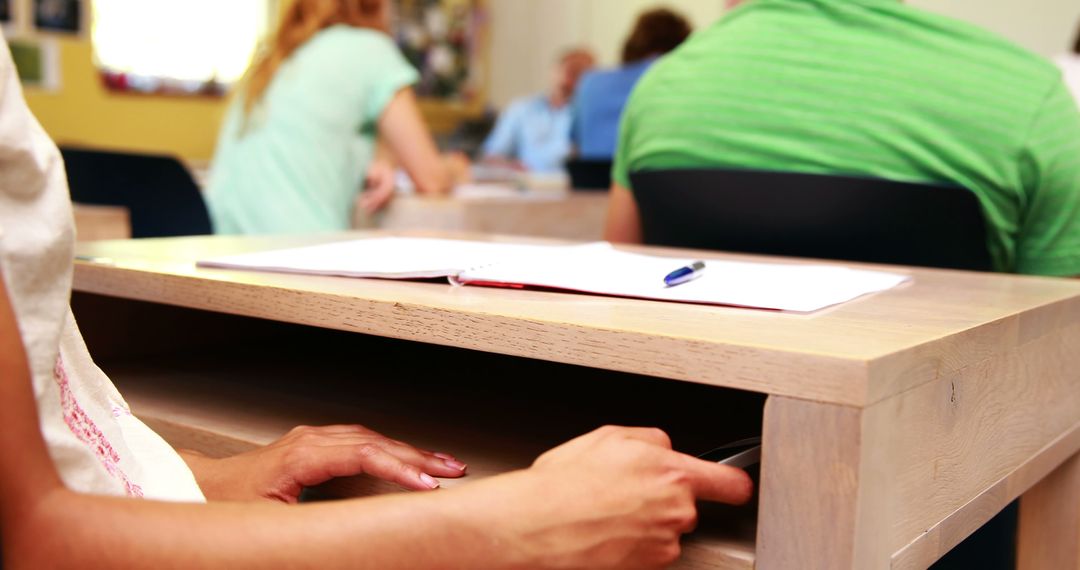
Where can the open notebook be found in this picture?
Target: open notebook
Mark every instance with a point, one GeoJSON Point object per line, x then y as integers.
{"type": "Point", "coordinates": [591, 268]}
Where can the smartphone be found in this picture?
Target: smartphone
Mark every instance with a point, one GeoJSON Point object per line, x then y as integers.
{"type": "Point", "coordinates": [741, 454]}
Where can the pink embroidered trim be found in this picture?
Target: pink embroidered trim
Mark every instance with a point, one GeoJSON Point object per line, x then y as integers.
{"type": "Point", "coordinates": [87, 431]}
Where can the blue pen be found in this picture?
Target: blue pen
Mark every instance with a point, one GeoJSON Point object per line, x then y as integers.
{"type": "Point", "coordinates": [685, 274]}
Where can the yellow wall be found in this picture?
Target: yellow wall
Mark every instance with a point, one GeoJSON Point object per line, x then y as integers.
{"type": "Point", "coordinates": [83, 112]}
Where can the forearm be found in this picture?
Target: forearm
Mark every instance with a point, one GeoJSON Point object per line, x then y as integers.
{"type": "Point", "coordinates": [623, 224]}
{"type": "Point", "coordinates": [401, 531]}
{"type": "Point", "coordinates": [24, 462]}
{"type": "Point", "coordinates": [403, 130]}
{"type": "Point", "coordinates": [433, 179]}
{"type": "Point", "coordinates": [384, 153]}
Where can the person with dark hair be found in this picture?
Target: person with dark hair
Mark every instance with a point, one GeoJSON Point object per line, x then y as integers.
{"type": "Point", "coordinates": [602, 95]}
{"type": "Point", "coordinates": [1070, 68]}
{"type": "Point", "coordinates": [867, 88]}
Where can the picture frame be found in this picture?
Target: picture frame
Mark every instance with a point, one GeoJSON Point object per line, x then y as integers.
{"type": "Point", "coordinates": [37, 62]}
{"type": "Point", "coordinates": [448, 94]}
{"type": "Point", "coordinates": [59, 16]}
{"type": "Point", "coordinates": [444, 41]}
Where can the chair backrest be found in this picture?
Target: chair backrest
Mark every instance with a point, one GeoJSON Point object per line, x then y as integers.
{"type": "Point", "coordinates": [589, 174]}
{"type": "Point", "coordinates": [469, 136]}
{"type": "Point", "coordinates": [809, 215]}
{"type": "Point", "coordinates": [160, 194]}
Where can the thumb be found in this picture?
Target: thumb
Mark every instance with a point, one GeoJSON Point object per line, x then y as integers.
{"type": "Point", "coordinates": [718, 483]}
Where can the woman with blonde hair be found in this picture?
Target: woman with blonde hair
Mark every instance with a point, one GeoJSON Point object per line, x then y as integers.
{"type": "Point", "coordinates": [299, 141]}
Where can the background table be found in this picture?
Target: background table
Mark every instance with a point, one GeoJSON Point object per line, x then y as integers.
{"type": "Point", "coordinates": [95, 223]}
{"type": "Point", "coordinates": [539, 208]}
{"type": "Point", "coordinates": [894, 426]}
{"type": "Point", "coordinates": [559, 214]}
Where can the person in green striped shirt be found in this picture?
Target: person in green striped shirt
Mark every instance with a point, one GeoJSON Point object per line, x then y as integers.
{"type": "Point", "coordinates": [868, 88]}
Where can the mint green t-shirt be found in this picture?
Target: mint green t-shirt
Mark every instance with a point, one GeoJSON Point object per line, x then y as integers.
{"type": "Point", "coordinates": [873, 88]}
{"type": "Point", "coordinates": [301, 159]}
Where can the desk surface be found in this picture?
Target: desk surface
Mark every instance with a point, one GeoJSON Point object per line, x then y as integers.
{"type": "Point", "coordinates": [855, 354]}
{"type": "Point", "coordinates": [905, 419]}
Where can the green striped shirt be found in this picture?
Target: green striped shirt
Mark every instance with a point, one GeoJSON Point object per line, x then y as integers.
{"type": "Point", "coordinates": [873, 88]}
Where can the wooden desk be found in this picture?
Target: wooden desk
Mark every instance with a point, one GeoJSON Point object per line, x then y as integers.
{"type": "Point", "coordinates": [96, 223]}
{"type": "Point", "coordinates": [894, 425]}
{"type": "Point", "coordinates": [565, 215]}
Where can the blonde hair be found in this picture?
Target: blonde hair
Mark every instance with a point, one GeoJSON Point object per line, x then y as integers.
{"type": "Point", "coordinates": [300, 22]}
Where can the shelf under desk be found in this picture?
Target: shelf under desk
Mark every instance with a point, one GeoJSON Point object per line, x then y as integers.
{"type": "Point", "coordinates": [894, 426]}
{"type": "Point", "coordinates": [497, 413]}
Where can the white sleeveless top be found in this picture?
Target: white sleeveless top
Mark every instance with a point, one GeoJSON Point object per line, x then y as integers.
{"type": "Point", "coordinates": [95, 442]}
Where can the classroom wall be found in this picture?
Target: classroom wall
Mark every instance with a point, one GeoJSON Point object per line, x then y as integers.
{"type": "Point", "coordinates": [1047, 27]}
{"type": "Point", "coordinates": [83, 112]}
{"type": "Point", "coordinates": [528, 34]}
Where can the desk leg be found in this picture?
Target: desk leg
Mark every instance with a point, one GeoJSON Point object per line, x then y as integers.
{"type": "Point", "coordinates": [820, 507]}
{"type": "Point", "coordinates": [1050, 521]}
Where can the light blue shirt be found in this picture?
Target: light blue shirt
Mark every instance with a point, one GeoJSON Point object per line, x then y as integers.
{"type": "Point", "coordinates": [598, 107]}
{"type": "Point", "coordinates": [300, 160]}
{"type": "Point", "coordinates": [534, 133]}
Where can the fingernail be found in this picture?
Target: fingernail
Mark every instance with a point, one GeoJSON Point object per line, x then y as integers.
{"type": "Point", "coordinates": [429, 481]}
{"type": "Point", "coordinates": [444, 456]}
{"type": "Point", "coordinates": [455, 464]}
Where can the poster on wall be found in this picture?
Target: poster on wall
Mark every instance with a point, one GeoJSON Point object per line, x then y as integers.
{"type": "Point", "coordinates": [64, 16]}
{"type": "Point", "coordinates": [442, 38]}
{"type": "Point", "coordinates": [37, 61]}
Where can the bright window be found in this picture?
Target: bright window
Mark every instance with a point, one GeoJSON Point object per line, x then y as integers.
{"type": "Point", "coordinates": [171, 46]}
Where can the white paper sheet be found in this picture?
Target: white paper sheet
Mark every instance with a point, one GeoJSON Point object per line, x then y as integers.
{"type": "Point", "coordinates": [387, 258]}
{"type": "Point", "coordinates": [599, 268]}
{"type": "Point", "coordinates": [593, 268]}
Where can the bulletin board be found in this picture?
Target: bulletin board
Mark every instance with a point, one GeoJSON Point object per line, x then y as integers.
{"type": "Point", "coordinates": [446, 40]}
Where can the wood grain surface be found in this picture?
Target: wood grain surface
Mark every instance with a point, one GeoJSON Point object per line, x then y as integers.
{"type": "Point", "coordinates": [855, 354]}
{"type": "Point", "coordinates": [1050, 521]}
{"type": "Point", "coordinates": [895, 426]}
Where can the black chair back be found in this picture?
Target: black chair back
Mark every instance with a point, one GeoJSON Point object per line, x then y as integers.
{"type": "Point", "coordinates": [808, 215]}
{"type": "Point", "coordinates": [589, 174]}
{"type": "Point", "coordinates": [161, 196]}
